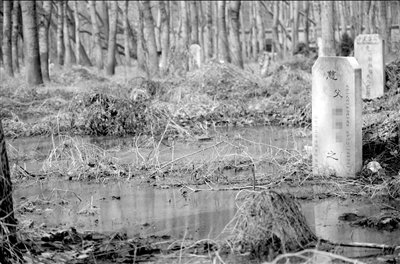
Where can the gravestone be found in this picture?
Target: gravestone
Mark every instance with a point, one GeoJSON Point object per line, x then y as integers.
{"type": "Point", "coordinates": [319, 44]}
{"type": "Point", "coordinates": [194, 57]}
{"type": "Point", "coordinates": [369, 52]}
{"type": "Point", "coordinates": [336, 116]}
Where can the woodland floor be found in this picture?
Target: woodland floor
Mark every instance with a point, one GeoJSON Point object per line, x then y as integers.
{"type": "Point", "coordinates": [81, 102]}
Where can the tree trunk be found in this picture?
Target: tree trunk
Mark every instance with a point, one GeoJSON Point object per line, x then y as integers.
{"type": "Point", "coordinates": [243, 32]}
{"type": "Point", "coordinates": [9, 224]}
{"type": "Point", "coordinates": [164, 37]}
{"type": "Point", "coordinates": [383, 28]}
{"type": "Point", "coordinates": [327, 28]}
{"type": "Point", "coordinates": [96, 33]}
{"type": "Point", "coordinates": [194, 22]}
{"type": "Point", "coordinates": [44, 39]}
{"type": "Point", "coordinates": [31, 41]}
{"type": "Point", "coordinates": [307, 25]}
{"type": "Point", "coordinates": [275, 33]}
{"type": "Point", "coordinates": [215, 29]}
{"type": "Point", "coordinates": [283, 30]}
{"type": "Point", "coordinates": [342, 12]}
{"type": "Point", "coordinates": [67, 42]}
{"type": "Point", "coordinates": [208, 41]}
{"type": "Point", "coordinates": [77, 35]}
{"type": "Point", "coordinates": [7, 48]}
{"type": "Point", "coordinates": [110, 68]}
{"type": "Point", "coordinates": [236, 48]}
{"type": "Point", "coordinates": [60, 33]}
{"type": "Point", "coordinates": [254, 31]}
{"type": "Point", "coordinates": [223, 36]}
{"type": "Point", "coordinates": [295, 26]}
{"type": "Point", "coordinates": [126, 34]}
{"type": "Point", "coordinates": [106, 21]}
{"type": "Point", "coordinates": [260, 27]}
{"type": "Point", "coordinates": [317, 15]}
{"type": "Point", "coordinates": [141, 59]}
{"type": "Point", "coordinates": [157, 28]}
{"type": "Point", "coordinates": [150, 38]}
{"type": "Point", "coordinates": [15, 34]}
{"type": "Point", "coordinates": [185, 25]}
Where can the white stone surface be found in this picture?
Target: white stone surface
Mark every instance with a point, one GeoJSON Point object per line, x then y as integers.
{"type": "Point", "coordinates": [369, 52]}
{"type": "Point", "coordinates": [195, 60]}
{"type": "Point", "coordinates": [336, 116]}
{"type": "Point", "coordinates": [319, 44]}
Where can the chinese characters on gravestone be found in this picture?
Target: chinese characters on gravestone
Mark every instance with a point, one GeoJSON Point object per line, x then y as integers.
{"type": "Point", "coordinates": [369, 52]}
{"type": "Point", "coordinates": [336, 116]}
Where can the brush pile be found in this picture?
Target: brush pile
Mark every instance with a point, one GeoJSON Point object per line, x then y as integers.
{"type": "Point", "coordinates": [393, 76]}
{"type": "Point", "coordinates": [268, 223]}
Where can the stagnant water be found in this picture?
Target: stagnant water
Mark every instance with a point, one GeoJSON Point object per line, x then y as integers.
{"type": "Point", "coordinates": [134, 210]}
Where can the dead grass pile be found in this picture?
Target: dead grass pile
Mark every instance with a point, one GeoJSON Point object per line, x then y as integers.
{"type": "Point", "coordinates": [268, 223]}
{"type": "Point", "coordinates": [393, 76]}
{"type": "Point", "coordinates": [80, 160]}
{"type": "Point", "coordinates": [75, 75]}
{"type": "Point", "coordinates": [381, 141]}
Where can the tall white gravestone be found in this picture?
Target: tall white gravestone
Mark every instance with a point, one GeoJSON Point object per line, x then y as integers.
{"type": "Point", "coordinates": [195, 56]}
{"type": "Point", "coordinates": [336, 116]}
{"type": "Point", "coordinates": [369, 52]}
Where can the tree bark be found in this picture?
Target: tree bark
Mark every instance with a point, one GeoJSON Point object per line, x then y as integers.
{"type": "Point", "coordinates": [77, 35]}
{"type": "Point", "coordinates": [275, 33]}
{"type": "Point", "coordinates": [383, 28]}
{"type": "Point", "coordinates": [343, 23]}
{"type": "Point", "coordinates": [215, 29]}
{"type": "Point", "coordinates": [208, 41]}
{"type": "Point", "coordinates": [164, 37]}
{"type": "Point", "coordinates": [106, 21]}
{"type": "Point", "coordinates": [236, 48]}
{"type": "Point", "coordinates": [295, 26]}
{"type": "Point", "coordinates": [60, 33]}
{"type": "Point", "coordinates": [15, 34]}
{"type": "Point", "coordinates": [44, 39]}
{"type": "Point", "coordinates": [327, 28]}
{"type": "Point", "coordinates": [141, 59]}
{"type": "Point", "coordinates": [126, 34]}
{"type": "Point", "coordinates": [31, 41]}
{"type": "Point", "coordinates": [9, 224]}
{"type": "Point", "coordinates": [185, 25]}
{"type": "Point", "coordinates": [96, 33]}
{"type": "Point", "coordinates": [223, 36]}
{"type": "Point", "coordinates": [254, 44]}
{"type": "Point", "coordinates": [7, 47]}
{"type": "Point", "coordinates": [110, 68]}
{"type": "Point", "coordinates": [67, 43]}
{"type": "Point", "coordinates": [307, 25]}
{"type": "Point", "coordinates": [260, 27]}
{"type": "Point", "coordinates": [149, 35]}
{"type": "Point", "coordinates": [243, 32]}
{"type": "Point", "coordinates": [194, 22]}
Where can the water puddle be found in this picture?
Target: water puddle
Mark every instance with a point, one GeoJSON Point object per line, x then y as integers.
{"type": "Point", "coordinates": [137, 210]}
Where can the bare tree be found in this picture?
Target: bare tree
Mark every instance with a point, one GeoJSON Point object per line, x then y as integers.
{"type": "Point", "coordinates": [77, 35]}
{"type": "Point", "coordinates": [31, 43]}
{"type": "Point", "coordinates": [68, 60]}
{"type": "Point", "coordinates": [260, 27]}
{"type": "Point", "coordinates": [141, 59]}
{"type": "Point", "coordinates": [215, 29]}
{"type": "Point", "coordinates": [384, 29]}
{"type": "Point", "coordinates": [343, 15]}
{"type": "Point", "coordinates": [7, 49]}
{"type": "Point", "coordinates": [44, 39]}
{"type": "Point", "coordinates": [126, 34]}
{"type": "Point", "coordinates": [223, 35]}
{"type": "Point", "coordinates": [236, 48]}
{"type": "Point", "coordinates": [164, 37]}
{"type": "Point", "coordinates": [8, 225]}
{"type": "Point", "coordinates": [15, 34]}
{"type": "Point", "coordinates": [60, 33]}
{"type": "Point", "coordinates": [110, 68]}
{"type": "Point", "coordinates": [254, 46]}
{"type": "Point", "coordinates": [96, 35]}
{"type": "Point", "coordinates": [149, 35]}
{"type": "Point", "coordinates": [275, 33]}
{"type": "Point", "coordinates": [295, 25]}
{"type": "Point", "coordinates": [185, 25]}
{"type": "Point", "coordinates": [105, 20]}
{"type": "Point", "coordinates": [307, 24]}
{"type": "Point", "coordinates": [327, 28]}
{"type": "Point", "coordinates": [208, 42]}
{"type": "Point", "coordinates": [194, 22]}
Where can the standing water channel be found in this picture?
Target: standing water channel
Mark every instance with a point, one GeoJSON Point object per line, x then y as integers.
{"type": "Point", "coordinates": [124, 206]}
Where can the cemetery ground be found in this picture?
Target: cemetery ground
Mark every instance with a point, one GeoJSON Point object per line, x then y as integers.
{"type": "Point", "coordinates": [157, 115]}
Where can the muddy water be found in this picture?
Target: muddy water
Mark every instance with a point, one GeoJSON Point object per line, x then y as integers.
{"type": "Point", "coordinates": [177, 212]}
{"type": "Point", "coordinates": [254, 141]}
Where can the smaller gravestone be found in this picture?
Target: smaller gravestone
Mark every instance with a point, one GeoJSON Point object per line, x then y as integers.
{"type": "Point", "coordinates": [195, 60]}
{"type": "Point", "coordinates": [336, 116]}
{"type": "Point", "coordinates": [369, 52]}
